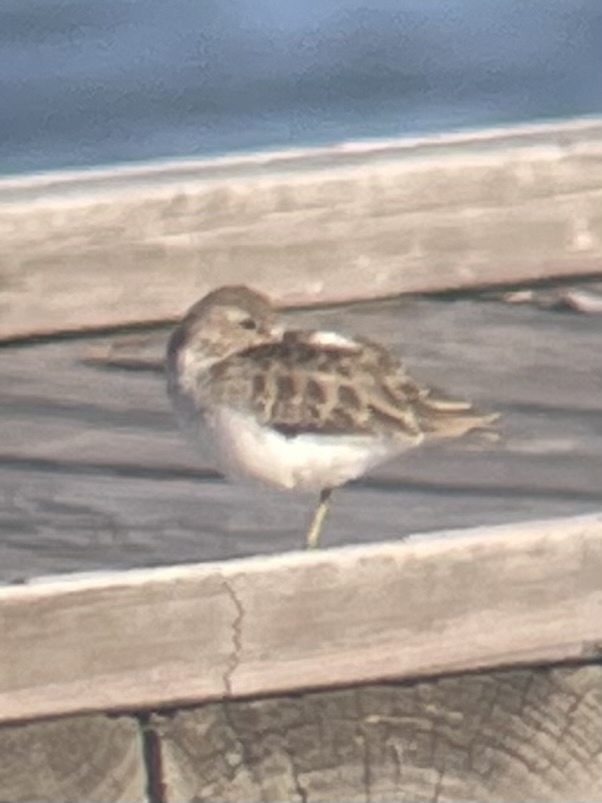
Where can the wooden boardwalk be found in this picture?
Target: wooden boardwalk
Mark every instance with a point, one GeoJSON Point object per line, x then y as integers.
{"type": "Point", "coordinates": [94, 474]}
{"type": "Point", "coordinates": [457, 665]}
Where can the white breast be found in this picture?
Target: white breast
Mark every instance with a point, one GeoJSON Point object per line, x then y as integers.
{"type": "Point", "coordinates": [308, 462]}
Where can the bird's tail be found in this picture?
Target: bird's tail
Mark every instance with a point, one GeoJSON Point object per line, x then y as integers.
{"type": "Point", "coordinates": [444, 417]}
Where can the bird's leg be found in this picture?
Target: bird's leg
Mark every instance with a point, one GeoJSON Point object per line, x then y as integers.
{"type": "Point", "coordinates": [313, 534]}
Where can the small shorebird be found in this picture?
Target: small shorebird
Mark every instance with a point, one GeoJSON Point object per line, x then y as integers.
{"type": "Point", "coordinates": [305, 410]}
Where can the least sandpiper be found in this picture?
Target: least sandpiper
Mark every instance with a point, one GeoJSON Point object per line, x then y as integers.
{"type": "Point", "coordinates": [297, 409]}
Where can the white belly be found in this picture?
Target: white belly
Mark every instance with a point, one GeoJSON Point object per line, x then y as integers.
{"type": "Point", "coordinates": [309, 462]}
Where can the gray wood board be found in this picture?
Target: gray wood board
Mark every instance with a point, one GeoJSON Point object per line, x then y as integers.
{"type": "Point", "coordinates": [94, 475]}
{"type": "Point", "coordinates": [520, 734]}
{"type": "Point", "coordinates": [524, 593]}
{"type": "Point", "coordinates": [94, 758]}
{"type": "Point", "coordinates": [508, 735]}
{"type": "Point", "coordinates": [319, 225]}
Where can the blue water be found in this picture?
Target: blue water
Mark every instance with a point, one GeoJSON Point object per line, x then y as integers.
{"type": "Point", "coordinates": [89, 82]}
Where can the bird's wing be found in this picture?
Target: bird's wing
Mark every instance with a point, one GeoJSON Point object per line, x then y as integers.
{"type": "Point", "coordinates": [439, 415]}
{"type": "Point", "coordinates": [323, 382]}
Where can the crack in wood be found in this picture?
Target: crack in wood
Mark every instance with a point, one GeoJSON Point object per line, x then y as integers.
{"type": "Point", "coordinates": [362, 738]}
{"type": "Point", "coordinates": [299, 788]}
{"type": "Point", "coordinates": [152, 760]}
{"type": "Point", "coordinates": [234, 659]}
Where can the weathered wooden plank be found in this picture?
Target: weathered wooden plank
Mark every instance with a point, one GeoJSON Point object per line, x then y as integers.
{"type": "Point", "coordinates": [531, 734]}
{"type": "Point", "coordinates": [98, 759]}
{"type": "Point", "coordinates": [98, 248]}
{"type": "Point", "coordinates": [55, 522]}
{"type": "Point", "coordinates": [525, 593]}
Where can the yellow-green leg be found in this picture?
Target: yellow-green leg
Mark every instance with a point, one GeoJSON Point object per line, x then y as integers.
{"type": "Point", "coordinates": [313, 534]}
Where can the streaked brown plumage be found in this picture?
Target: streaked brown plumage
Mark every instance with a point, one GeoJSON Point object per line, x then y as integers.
{"type": "Point", "coordinates": [297, 386]}
{"type": "Point", "coordinates": [233, 368]}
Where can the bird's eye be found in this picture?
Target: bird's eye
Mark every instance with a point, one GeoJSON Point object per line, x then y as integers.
{"type": "Point", "coordinates": [248, 323]}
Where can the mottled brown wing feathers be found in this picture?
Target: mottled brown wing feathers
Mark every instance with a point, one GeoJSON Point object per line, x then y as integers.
{"type": "Point", "coordinates": [438, 414]}
{"type": "Point", "coordinates": [300, 386]}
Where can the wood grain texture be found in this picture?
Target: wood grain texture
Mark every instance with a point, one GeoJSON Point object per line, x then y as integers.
{"type": "Point", "coordinates": [98, 248]}
{"type": "Point", "coordinates": [267, 625]}
{"type": "Point", "coordinates": [93, 758]}
{"type": "Point", "coordinates": [530, 734]}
